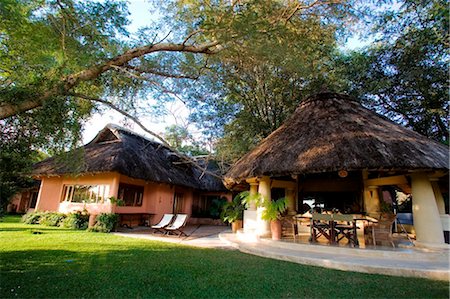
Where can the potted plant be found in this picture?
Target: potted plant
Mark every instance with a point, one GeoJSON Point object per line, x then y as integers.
{"type": "Point", "coordinates": [272, 212]}
{"type": "Point", "coordinates": [232, 212]}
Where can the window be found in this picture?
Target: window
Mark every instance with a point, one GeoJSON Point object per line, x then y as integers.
{"type": "Point", "coordinates": [131, 195]}
{"type": "Point", "coordinates": [178, 203]}
{"type": "Point", "coordinates": [34, 196]}
{"type": "Point", "coordinates": [85, 193]}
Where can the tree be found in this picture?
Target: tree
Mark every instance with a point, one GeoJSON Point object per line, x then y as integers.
{"type": "Point", "coordinates": [60, 59]}
{"type": "Point", "coordinates": [181, 140]}
{"type": "Point", "coordinates": [249, 90]}
{"type": "Point", "coordinates": [405, 74]}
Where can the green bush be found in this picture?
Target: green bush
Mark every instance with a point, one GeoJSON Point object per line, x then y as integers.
{"type": "Point", "coordinates": [76, 220]}
{"type": "Point", "coordinates": [105, 223]}
{"type": "Point", "coordinates": [32, 218]}
{"type": "Point", "coordinates": [52, 218]}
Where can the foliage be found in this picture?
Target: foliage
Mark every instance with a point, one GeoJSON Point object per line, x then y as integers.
{"type": "Point", "coordinates": [76, 220]}
{"type": "Point", "coordinates": [52, 219]}
{"type": "Point", "coordinates": [17, 153]}
{"type": "Point", "coordinates": [120, 268]}
{"type": "Point", "coordinates": [62, 59]}
{"type": "Point", "coordinates": [249, 199]}
{"type": "Point", "coordinates": [253, 86]}
{"type": "Point", "coordinates": [181, 140]}
{"type": "Point", "coordinates": [274, 209]}
{"type": "Point", "coordinates": [217, 207]}
{"type": "Point", "coordinates": [404, 75]}
{"type": "Point", "coordinates": [105, 222]}
{"type": "Point", "coordinates": [233, 210]}
{"type": "Point", "coordinates": [116, 201]}
{"type": "Point", "coordinates": [32, 217]}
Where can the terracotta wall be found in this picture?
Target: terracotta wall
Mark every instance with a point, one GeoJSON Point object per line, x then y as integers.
{"type": "Point", "coordinates": [158, 198]}
{"type": "Point", "coordinates": [51, 190]}
{"type": "Point", "coordinates": [49, 194]}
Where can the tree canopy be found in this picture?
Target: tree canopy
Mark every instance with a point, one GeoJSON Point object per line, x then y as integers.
{"type": "Point", "coordinates": [404, 74]}
{"type": "Point", "coordinates": [241, 66]}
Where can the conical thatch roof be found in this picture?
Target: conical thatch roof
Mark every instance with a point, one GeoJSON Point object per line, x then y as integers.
{"type": "Point", "coordinates": [116, 149]}
{"type": "Point", "coordinates": [330, 132]}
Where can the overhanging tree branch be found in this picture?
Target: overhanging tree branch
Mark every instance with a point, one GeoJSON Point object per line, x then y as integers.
{"type": "Point", "coordinates": [66, 83]}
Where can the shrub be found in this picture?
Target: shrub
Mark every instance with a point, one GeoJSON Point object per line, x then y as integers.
{"type": "Point", "coordinates": [51, 218]}
{"type": "Point", "coordinates": [76, 220]}
{"type": "Point", "coordinates": [105, 223]}
{"type": "Point", "coordinates": [32, 218]}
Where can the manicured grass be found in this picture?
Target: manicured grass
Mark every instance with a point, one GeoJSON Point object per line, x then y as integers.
{"type": "Point", "coordinates": [38, 261]}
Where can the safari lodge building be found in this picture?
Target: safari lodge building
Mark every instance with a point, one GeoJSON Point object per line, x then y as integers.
{"type": "Point", "coordinates": [341, 155]}
{"type": "Point", "coordinates": [148, 178]}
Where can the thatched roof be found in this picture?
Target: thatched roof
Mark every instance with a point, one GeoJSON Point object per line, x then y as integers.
{"type": "Point", "coordinates": [330, 132]}
{"type": "Point", "coordinates": [116, 149]}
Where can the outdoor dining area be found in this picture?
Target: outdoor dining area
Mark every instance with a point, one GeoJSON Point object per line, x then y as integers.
{"type": "Point", "coordinates": [334, 228]}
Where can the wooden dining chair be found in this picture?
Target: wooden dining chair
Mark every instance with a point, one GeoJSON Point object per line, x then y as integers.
{"type": "Point", "coordinates": [345, 226]}
{"type": "Point", "coordinates": [322, 225]}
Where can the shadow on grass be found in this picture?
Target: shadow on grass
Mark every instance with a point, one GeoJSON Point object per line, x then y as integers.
{"type": "Point", "coordinates": [159, 270]}
{"type": "Point", "coordinates": [59, 264]}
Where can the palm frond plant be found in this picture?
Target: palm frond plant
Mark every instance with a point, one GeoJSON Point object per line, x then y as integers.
{"type": "Point", "coordinates": [233, 211]}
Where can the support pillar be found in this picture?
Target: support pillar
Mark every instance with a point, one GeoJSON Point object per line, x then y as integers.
{"type": "Point", "coordinates": [427, 224]}
{"type": "Point", "coordinates": [370, 195]}
{"type": "Point", "coordinates": [371, 199]}
{"type": "Point", "coordinates": [250, 215]}
{"type": "Point", "coordinates": [253, 192]}
{"type": "Point", "coordinates": [438, 196]}
{"type": "Point", "coordinates": [114, 190]}
{"type": "Point", "coordinates": [263, 226]}
{"type": "Point", "coordinates": [290, 196]}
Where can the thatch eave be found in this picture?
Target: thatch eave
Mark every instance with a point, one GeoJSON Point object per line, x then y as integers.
{"type": "Point", "coordinates": [115, 149]}
{"type": "Point", "coordinates": [331, 132]}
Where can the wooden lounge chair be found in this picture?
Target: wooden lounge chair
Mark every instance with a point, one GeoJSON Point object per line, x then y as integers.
{"type": "Point", "coordinates": [165, 221]}
{"type": "Point", "coordinates": [177, 225]}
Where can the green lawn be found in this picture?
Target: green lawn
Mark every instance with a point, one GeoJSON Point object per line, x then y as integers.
{"type": "Point", "coordinates": [63, 263]}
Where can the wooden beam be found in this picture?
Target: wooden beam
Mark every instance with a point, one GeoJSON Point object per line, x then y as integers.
{"type": "Point", "coordinates": [390, 180]}
{"type": "Point", "coordinates": [283, 184]}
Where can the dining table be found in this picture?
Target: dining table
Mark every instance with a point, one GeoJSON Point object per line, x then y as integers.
{"type": "Point", "coordinates": [336, 227]}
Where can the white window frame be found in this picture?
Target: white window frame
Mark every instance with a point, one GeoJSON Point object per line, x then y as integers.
{"type": "Point", "coordinates": [92, 197]}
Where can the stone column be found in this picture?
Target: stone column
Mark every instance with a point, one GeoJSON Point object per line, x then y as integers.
{"type": "Point", "coordinates": [263, 226]}
{"type": "Point", "coordinates": [427, 224]}
{"type": "Point", "coordinates": [438, 195]}
{"type": "Point", "coordinates": [370, 195]}
{"type": "Point", "coordinates": [250, 215]}
{"type": "Point", "coordinates": [371, 199]}
{"type": "Point", "coordinates": [253, 192]}
{"type": "Point", "coordinates": [114, 189]}
{"type": "Point", "coordinates": [290, 196]}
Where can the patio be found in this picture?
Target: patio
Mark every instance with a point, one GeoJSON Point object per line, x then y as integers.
{"type": "Point", "coordinates": [406, 262]}
{"type": "Point", "coordinates": [197, 235]}
{"type": "Point", "coordinates": [398, 261]}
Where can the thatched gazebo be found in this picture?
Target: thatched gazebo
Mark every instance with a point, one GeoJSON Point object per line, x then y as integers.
{"type": "Point", "coordinates": [333, 145]}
